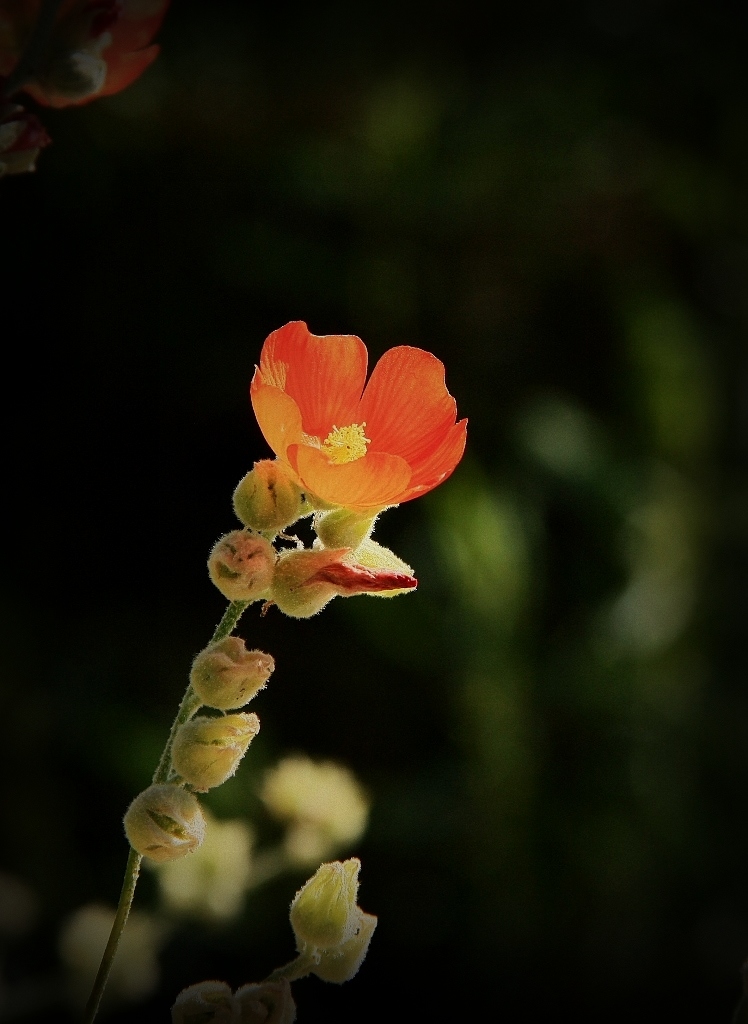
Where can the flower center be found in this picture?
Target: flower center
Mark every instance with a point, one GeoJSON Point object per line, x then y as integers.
{"type": "Point", "coordinates": [346, 444]}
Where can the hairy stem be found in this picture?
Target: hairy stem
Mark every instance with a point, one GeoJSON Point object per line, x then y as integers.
{"type": "Point", "coordinates": [188, 707]}
{"type": "Point", "coordinates": [132, 870]}
{"type": "Point", "coordinates": [298, 968]}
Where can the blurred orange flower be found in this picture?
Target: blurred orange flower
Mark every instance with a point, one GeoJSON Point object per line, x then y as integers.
{"type": "Point", "coordinates": [95, 47]}
{"type": "Point", "coordinates": [361, 447]}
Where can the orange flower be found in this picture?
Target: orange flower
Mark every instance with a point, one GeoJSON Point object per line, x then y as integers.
{"type": "Point", "coordinates": [363, 448]}
{"type": "Point", "coordinates": [95, 47]}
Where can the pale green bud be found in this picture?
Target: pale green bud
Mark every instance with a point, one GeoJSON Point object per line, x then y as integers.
{"type": "Point", "coordinates": [343, 528]}
{"type": "Point", "coordinates": [270, 1002]}
{"type": "Point", "coordinates": [208, 1002]}
{"type": "Point", "coordinates": [268, 499]}
{"type": "Point", "coordinates": [341, 964]}
{"type": "Point", "coordinates": [164, 822]}
{"type": "Point", "coordinates": [207, 751]}
{"type": "Point", "coordinates": [227, 676]}
{"type": "Point", "coordinates": [241, 565]}
{"type": "Point", "coordinates": [324, 913]}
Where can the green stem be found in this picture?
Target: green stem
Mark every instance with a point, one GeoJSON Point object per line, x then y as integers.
{"type": "Point", "coordinates": [26, 68]}
{"type": "Point", "coordinates": [190, 703]}
{"type": "Point", "coordinates": [123, 909]}
{"type": "Point", "coordinates": [298, 968]}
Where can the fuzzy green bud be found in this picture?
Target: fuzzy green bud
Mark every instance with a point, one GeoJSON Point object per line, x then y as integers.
{"type": "Point", "coordinates": [306, 580]}
{"type": "Point", "coordinates": [343, 528]}
{"type": "Point", "coordinates": [227, 676]}
{"type": "Point", "coordinates": [207, 751]}
{"type": "Point", "coordinates": [268, 499]}
{"type": "Point", "coordinates": [300, 588]}
{"type": "Point", "coordinates": [164, 822]}
{"type": "Point", "coordinates": [241, 565]}
{"type": "Point", "coordinates": [324, 913]}
{"type": "Point", "coordinates": [341, 964]}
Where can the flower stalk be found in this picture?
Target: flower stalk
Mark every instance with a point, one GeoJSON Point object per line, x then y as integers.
{"type": "Point", "coordinates": [187, 709]}
{"type": "Point", "coordinates": [323, 466]}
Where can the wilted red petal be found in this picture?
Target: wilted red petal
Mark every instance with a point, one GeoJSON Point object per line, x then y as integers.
{"type": "Point", "coordinates": [31, 132]}
{"type": "Point", "coordinates": [357, 579]}
{"type": "Point", "coordinates": [324, 375]}
{"type": "Point", "coordinates": [374, 481]}
{"type": "Point", "coordinates": [406, 406]}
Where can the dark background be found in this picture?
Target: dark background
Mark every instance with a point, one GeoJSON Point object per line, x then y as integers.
{"type": "Point", "coordinates": [553, 729]}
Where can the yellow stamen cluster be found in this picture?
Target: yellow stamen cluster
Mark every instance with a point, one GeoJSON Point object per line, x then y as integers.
{"type": "Point", "coordinates": [346, 444]}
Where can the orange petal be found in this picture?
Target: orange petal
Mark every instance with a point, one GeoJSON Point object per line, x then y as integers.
{"type": "Point", "coordinates": [440, 464]}
{"type": "Point", "coordinates": [374, 481]}
{"type": "Point", "coordinates": [406, 406]}
{"type": "Point", "coordinates": [277, 414]}
{"type": "Point", "coordinates": [324, 375]}
{"type": "Point", "coordinates": [138, 23]}
{"type": "Point", "coordinates": [124, 68]}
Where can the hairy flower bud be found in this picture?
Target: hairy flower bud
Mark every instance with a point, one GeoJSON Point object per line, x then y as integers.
{"type": "Point", "coordinates": [343, 528]}
{"type": "Point", "coordinates": [269, 1002]}
{"type": "Point", "coordinates": [267, 499]}
{"type": "Point", "coordinates": [241, 565]}
{"type": "Point", "coordinates": [341, 964]}
{"type": "Point", "coordinates": [207, 751]}
{"type": "Point", "coordinates": [227, 676]}
{"type": "Point", "coordinates": [164, 822]}
{"type": "Point", "coordinates": [324, 913]}
{"type": "Point", "coordinates": [208, 1002]}
{"type": "Point", "coordinates": [305, 581]}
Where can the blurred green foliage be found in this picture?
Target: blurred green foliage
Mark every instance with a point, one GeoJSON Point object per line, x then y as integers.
{"type": "Point", "coordinates": [553, 729]}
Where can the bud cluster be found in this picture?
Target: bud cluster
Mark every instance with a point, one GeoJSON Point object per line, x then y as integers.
{"type": "Point", "coordinates": [343, 560]}
{"type": "Point", "coordinates": [212, 1002]}
{"type": "Point", "coordinates": [165, 822]}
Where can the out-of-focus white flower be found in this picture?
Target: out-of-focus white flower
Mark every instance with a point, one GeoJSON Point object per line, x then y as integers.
{"type": "Point", "coordinates": [135, 971]}
{"type": "Point", "coordinates": [19, 906]}
{"type": "Point", "coordinates": [211, 882]}
{"type": "Point", "coordinates": [322, 803]}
